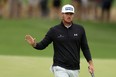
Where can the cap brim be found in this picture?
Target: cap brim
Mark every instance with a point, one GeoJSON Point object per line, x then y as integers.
{"type": "Point", "coordinates": [68, 12]}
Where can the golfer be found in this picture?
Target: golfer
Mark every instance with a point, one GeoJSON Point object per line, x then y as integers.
{"type": "Point", "coordinates": [68, 38]}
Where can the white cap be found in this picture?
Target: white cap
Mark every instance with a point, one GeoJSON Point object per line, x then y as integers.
{"type": "Point", "coordinates": [67, 8]}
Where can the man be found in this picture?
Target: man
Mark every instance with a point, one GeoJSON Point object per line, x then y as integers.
{"type": "Point", "coordinates": [106, 9]}
{"type": "Point", "coordinates": [33, 7]}
{"type": "Point", "coordinates": [77, 5]}
{"type": "Point", "coordinates": [55, 10]}
{"type": "Point", "coordinates": [44, 7]}
{"type": "Point", "coordinates": [67, 39]}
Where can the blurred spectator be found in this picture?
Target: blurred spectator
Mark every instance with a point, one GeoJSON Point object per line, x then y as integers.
{"type": "Point", "coordinates": [33, 7]}
{"type": "Point", "coordinates": [91, 5]}
{"type": "Point", "coordinates": [19, 8]}
{"type": "Point", "coordinates": [97, 6]}
{"type": "Point", "coordinates": [44, 8]}
{"type": "Point", "coordinates": [1, 5]}
{"type": "Point", "coordinates": [78, 8]}
{"type": "Point", "coordinates": [106, 8]}
{"type": "Point", "coordinates": [12, 8]}
{"type": "Point", "coordinates": [84, 9]}
{"type": "Point", "coordinates": [55, 10]}
{"type": "Point", "coordinates": [15, 8]}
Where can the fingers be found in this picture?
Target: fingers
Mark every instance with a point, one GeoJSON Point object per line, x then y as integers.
{"type": "Point", "coordinates": [34, 39]}
{"type": "Point", "coordinates": [28, 37]}
{"type": "Point", "coordinates": [30, 40]}
{"type": "Point", "coordinates": [91, 69]}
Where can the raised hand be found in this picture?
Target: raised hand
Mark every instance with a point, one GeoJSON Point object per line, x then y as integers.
{"type": "Point", "coordinates": [30, 40]}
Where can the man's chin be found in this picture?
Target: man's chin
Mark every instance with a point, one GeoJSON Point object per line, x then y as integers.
{"type": "Point", "coordinates": [69, 22]}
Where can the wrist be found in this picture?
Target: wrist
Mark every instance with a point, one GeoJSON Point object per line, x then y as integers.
{"type": "Point", "coordinates": [90, 62]}
{"type": "Point", "coordinates": [33, 45]}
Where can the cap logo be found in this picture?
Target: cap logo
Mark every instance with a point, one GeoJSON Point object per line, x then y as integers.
{"type": "Point", "coordinates": [69, 8]}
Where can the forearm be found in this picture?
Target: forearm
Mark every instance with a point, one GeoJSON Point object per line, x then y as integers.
{"type": "Point", "coordinates": [42, 44]}
{"type": "Point", "coordinates": [39, 46]}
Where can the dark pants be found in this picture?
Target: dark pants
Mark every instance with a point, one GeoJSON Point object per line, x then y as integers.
{"type": "Point", "coordinates": [44, 7]}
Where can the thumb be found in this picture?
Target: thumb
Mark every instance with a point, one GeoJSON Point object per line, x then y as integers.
{"type": "Point", "coordinates": [34, 39]}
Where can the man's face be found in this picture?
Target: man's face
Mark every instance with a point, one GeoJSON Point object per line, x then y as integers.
{"type": "Point", "coordinates": [67, 17]}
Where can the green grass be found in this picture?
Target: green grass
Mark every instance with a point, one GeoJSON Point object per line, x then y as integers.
{"type": "Point", "coordinates": [101, 37]}
{"type": "Point", "coordinates": [114, 3]}
{"type": "Point", "coordinates": [20, 66]}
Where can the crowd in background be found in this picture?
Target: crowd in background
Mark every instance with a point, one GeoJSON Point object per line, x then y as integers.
{"type": "Point", "coordinates": [85, 9]}
{"type": "Point", "coordinates": [93, 9]}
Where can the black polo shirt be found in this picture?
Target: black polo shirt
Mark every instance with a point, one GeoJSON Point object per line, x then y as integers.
{"type": "Point", "coordinates": [67, 43]}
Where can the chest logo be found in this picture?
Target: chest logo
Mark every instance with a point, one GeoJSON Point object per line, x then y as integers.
{"type": "Point", "coordinates": [75, 35]}
{"type": "Point", "coordinates": [60, 36]}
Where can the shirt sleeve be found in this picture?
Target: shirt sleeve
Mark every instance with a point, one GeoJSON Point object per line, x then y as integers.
{"type": "Point", "coordinates": [85, 47]}
{"type": "Point", "coordinates": [45, 42]}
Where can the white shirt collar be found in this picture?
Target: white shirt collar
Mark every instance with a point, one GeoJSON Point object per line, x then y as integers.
{"type": "Point", "coordinates": [68, 26]}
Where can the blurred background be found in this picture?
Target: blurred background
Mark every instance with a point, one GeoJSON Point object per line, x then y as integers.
{"type": "Point", "coordinates": [35, 17]}
{"type": "Point", "coordinates": [85, 9]}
